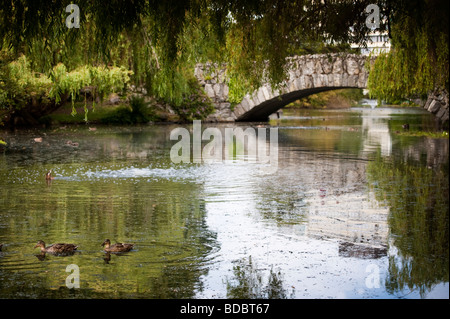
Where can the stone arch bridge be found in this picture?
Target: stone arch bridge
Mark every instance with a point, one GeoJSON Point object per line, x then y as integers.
{"type": "Point", "coordinates": [308, 74]}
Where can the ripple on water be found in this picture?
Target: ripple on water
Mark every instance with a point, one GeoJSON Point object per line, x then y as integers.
{"type": "Point", "coordinates": [170, 173]}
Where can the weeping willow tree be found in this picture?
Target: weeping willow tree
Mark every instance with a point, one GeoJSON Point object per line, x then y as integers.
{"type": "Point", "coordinates": [261, 34]}
{"type": "Point", "coordinates": [418, 62]}
{"type": "Point", "coordinates": [160, 41]}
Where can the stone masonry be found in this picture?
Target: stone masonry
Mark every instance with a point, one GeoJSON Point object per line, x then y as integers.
{"type": "Point", "coordinates": [437, 103]}
{"type": "Point", "coordinates": [308, 74]}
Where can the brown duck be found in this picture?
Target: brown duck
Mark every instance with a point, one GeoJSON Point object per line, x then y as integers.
{"type": "Point", "coordinates": [56, 248]}
{"type": "Point", "coordinates": [116, 248]}
{"type": "Point", "coordinates": [49, 176]}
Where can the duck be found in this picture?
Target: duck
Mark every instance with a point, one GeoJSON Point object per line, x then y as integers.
{"type": "Point", "coordinates": [73, 144]}
{"type": "Point", "coordinates": [49, 176]}
{"type": "Point", "coordinates": [56, 248]}
{"type": "Point", "coordinates": [116, 248]}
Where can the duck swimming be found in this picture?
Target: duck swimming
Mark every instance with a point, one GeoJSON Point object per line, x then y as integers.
{"type": "Point", "coordinates": [116, 248]}
{"type": "Point", "coordinates": [56, 248]}
{"type": "Point", "coordinates": [49, 176]}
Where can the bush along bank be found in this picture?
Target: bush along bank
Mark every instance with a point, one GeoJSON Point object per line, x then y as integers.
{"type": "Point", "coordinates": [133, 107]}
{"type": "Point", "coordinates": [87, 94]}
{"type": "Point", "coordinates": [26, 96]}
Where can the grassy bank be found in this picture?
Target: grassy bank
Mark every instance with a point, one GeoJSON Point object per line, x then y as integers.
{"type": "Point", "coordinates": [443, 134]}
{"type": "Point", "coordinates": [134, 112]}
{"type": "Point", "coordinates": [336, 99]}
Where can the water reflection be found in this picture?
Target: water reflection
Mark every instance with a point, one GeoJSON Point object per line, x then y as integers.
{"type": "Point", "coordinates": [418, 220]}
{"type": "Point", "coordinates": [43, 255]}
{"type": "Point", "coordinates": [348, 193]}
{"type": "Point", "coordinates": [377, 134]}
{"type": "Point", "coordinates": [172, 241]}
{"type": "Point", "coordinates": [347, 249]}
{"type": "Point", "coordinates": [249, 282]}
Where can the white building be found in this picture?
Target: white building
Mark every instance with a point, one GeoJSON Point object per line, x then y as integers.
{"type": "Point", "coordinates": [377, 42]}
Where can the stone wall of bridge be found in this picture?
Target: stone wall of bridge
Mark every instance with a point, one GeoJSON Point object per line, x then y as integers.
{"type": "Point", "coordinates": [307, 74]}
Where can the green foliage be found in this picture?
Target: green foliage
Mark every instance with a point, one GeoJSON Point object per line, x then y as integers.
{"type": "Point", "coordinates": [331, 99]}
{"type": "Point", "coordinates": [68, 83]}
{"type": "Point", "coordinates": [20, 85]}
{"type": "Point", "coordinates": [103, 80]}
{"type": "Point", "coordinates": [123, 115]}
{"type": "Point", "coordinates": [20, 72]}
{"type": "Point", "coordinates": [393, 76]}
{"type": "Point", "coordinates": [442, 134]}
{"type": "Point", "coordinates": [160, 41]}
{"type": "Point", "coordinates": [195, 105]}
{"type": "Point", "coordinates": [418, 62]}
{"type": "Point", "coordinates": [139, 110]}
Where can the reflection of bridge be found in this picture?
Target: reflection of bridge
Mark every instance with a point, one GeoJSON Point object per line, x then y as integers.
{"type": "Point", "coordinates": [308, 74]}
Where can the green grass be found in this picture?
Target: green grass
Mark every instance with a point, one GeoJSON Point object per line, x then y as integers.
{"type": "Point", "coordinates": [93, 116]}
{"type": "Point", "coordinates": [443, 134]}
{"type": "Point", "coordinates": [124, 113]}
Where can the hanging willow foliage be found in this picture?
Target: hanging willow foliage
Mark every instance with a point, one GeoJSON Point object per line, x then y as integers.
{"type": "Point", "coordinates": [257, 31]}
{"type": "Point", "coordinates": [161, 41]}
{"type": "Point", "coordinates": [21, 85]}
{"type": "Point", "coordinates": [418, 62]}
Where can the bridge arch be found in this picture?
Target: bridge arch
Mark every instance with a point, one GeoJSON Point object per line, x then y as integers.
{"type": "Point", "coordinates": [262, 111]}
{"type": "Point", "coordinates": [308, 74]}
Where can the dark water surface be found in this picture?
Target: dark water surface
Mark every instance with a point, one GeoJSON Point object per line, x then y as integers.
{"type": "Point", "coordinates": [354, 210]}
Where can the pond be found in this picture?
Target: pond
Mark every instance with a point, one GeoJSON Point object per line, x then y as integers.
{"type": "Point", "coordinates": [353, 210]}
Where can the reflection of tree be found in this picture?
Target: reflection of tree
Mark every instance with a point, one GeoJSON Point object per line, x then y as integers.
{"type": "Point", "coordinates": [281, 205]}
{"type": "Point", "coordinates": [168, 228]}
{"type": "Point", "coordinates": [130, 143]}
{"type": "Point", "coordinates": [419, 222]}
{"type": "Point", "coordinates": [340, 141]}
{"type": "Point", "coordinates": [248, 283]}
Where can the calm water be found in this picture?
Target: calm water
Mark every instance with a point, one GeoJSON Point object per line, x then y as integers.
{"type": "Point", "coordinates": [354, 210]}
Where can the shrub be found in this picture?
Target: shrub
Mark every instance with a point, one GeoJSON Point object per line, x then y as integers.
{"type": "Point", "coordinates": [137, 112]}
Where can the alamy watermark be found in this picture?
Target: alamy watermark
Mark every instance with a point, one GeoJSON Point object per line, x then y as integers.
{"type": "Point", "coordinates": [373, 278]}
{"type": "Point", "coordinates": [73, 20]}
{"type": "Point", "coordinates": [373, 19]}
{"type": "Point", "coordinates": [73, 280]}
{"type": "Point", "coordinates": [248, 144]}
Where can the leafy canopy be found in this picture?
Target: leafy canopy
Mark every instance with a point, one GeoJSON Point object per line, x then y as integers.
{"type": "Point", "coordinates": [162, 40]}
{"type": "Point", "coordinates": [418, 62]}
